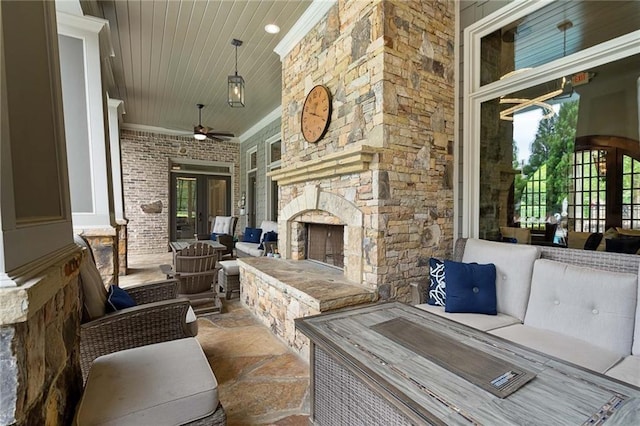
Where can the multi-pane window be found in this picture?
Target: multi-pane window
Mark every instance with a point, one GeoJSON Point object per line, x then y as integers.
{"type": "Point", "coordinates": [630, 192]}
{"type": "Point", "coordinates": [533, 203]}
{"type": "Point", "coordinates": [588, 196]}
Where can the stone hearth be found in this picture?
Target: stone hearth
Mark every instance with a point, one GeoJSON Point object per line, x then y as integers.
{"type": "Point", "coordinates": [278, 291]}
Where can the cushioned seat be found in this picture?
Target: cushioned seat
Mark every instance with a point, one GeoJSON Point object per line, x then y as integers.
{"type": "Point", "coordinates": [477, 321]}
{"type": "Point", "coordinates": [146, 385]}
{"type": "Point", "coordinates": [561, 346]}
{"type": "Point", "coordinates": [628, 370]}
{"type": "Point", "coordinates": [229, 277]}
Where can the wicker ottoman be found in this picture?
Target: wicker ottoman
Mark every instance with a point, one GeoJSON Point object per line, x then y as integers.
{"type": "Point", "coordinates": [229, 278]}
{"type": "Point", "coordinates": [165, 383]}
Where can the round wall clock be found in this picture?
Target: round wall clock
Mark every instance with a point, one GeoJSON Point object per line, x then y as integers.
{"type": "Point", "coordinates": [316, 114]}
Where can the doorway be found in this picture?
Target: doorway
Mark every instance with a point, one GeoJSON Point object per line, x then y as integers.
{"type": "Point", "coordinates": [196, 199]}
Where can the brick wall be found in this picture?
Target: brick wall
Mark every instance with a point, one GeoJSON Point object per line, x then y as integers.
{"type": "Point", "coordinates": [145, 174]}
{"type": "Point", "coordinates": [390, 68]}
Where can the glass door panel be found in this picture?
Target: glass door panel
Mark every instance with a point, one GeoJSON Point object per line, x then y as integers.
{"type": "Point", "coordinates": [196, 199]}
{"type": "Point", "coordinates": [185, 214]}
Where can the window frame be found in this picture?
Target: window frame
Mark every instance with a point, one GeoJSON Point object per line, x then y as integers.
{"type": "Point", "coordinates": [474, 93]}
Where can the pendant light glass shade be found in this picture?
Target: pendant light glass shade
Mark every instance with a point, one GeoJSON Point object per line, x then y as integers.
{"type": "Point", "coordinates": [236, 83]}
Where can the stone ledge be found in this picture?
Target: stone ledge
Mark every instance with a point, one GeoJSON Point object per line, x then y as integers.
{"type": "Point", "coordinates": [340, 163]}
{"type": "Point", "coordinates": [320, 287]}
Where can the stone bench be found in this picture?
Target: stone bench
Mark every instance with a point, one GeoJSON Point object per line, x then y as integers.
{"type": "Point", "coordinates": [166, 383]}
{"type": "Point", "coordinates": [229, 277]}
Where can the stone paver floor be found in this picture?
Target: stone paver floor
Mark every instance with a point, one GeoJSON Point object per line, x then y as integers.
{"type": "Point", "coordinates": [261, 381]}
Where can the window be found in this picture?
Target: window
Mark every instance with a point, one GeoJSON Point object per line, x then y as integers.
{"type": "Point", "coordinates": [570, 81]}
{"type": "Point", "coordinates": [274, 154]}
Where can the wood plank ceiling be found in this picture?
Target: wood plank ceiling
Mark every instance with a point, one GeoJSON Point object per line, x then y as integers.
{"type": "Point", "coordinates": [172, 54]}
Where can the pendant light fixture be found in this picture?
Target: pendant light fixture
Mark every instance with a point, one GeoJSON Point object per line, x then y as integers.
{"type": "Point", "coordinates": [236, 82]}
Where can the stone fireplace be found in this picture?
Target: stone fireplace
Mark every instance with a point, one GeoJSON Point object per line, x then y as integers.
{"type": "Point", "coordinates": [383, 170]}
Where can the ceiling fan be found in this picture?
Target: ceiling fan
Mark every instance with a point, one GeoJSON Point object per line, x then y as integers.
{"type": "Point", "coordinates": [201, 132]}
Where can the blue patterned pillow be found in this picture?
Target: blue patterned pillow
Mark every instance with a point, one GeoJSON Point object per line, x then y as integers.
{"type": "Point", "coordinates": [437, 285]}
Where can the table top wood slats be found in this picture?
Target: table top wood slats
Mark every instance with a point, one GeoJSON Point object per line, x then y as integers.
{"type": "Point", "coordinates": [561, 393]}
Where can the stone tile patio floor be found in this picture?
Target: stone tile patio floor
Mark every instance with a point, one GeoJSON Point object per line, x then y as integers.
{"type": "Point", "coordinates": [261, 381]}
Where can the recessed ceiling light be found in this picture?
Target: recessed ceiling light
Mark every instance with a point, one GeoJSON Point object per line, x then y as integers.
{"type": "Point", "coordinates": [272, 28]}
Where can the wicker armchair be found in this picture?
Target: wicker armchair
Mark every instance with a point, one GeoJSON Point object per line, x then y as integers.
{"type": "Point", "coordinates": [159, 316]}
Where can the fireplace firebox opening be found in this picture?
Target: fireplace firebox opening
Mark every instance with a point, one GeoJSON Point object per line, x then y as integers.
{"type": "Point", "coordinates": [325, 244]}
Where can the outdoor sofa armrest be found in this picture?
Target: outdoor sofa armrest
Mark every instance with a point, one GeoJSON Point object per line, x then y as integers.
{"type": "Point", "coordinates": [132, 327]}
{"type": "Point", "coordinates": [418, 292]}
{"type": "Point", "coordinates": [153, 291]}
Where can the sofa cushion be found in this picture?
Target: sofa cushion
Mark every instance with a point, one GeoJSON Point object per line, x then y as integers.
{"type": "Point", "coordinates": [437, 284]}
{"type": "Point", "coordinates": [561, 346]}
{"type": "Point", "coordinates": [249, 248]}
{"type": "Point", "coordinates": [222, 225]}
{"type": "Point", "coordinates": [118, 298]}
{"type": "Point", "coordinates": [252, 235]}
{"type": "Point", "coordinates": [479, 322]}
{"type": "Point", "coordinates": [268, 226]}
{"type": "Point", "coordinates": [628, 370]}
{"type": "Point", "coordinates": [589, 304]}
{"type": "Point", "coordinates": [471, 288]}
{"type": "Point", "coordinates": [94, 293]}
{"type": "Point", "coordinates": [230, 267]}
{"type": "Point", "coordinates": [150, 385]}
{"type": "Point", "coordinates": [514, 266]}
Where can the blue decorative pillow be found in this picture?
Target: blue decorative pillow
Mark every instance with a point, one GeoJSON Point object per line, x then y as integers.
{"type": "Point", "coordinates": [118, 299]}
{"type": "Point", "coordinates": [252, 235]}
{"type": "Point", "coordinates": [437, 285]}
{"type": "Point", "coordinates": [214, 236]}
{"type": "Point", "coordinates": [471, 288]}
{"type": "Point", "coordinates": [268, 237]}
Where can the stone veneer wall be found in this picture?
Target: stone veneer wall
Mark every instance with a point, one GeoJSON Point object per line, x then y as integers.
{"type": "Point", "coordinates": [105, 245]}
{"type": "Point", "coordinates": [145, 175]}
{"type": "Point", "coordinates": [40, 378]}
{"type": "Point", "coordinates": [276, 308]}
{"type": "Point", "coordinates": [390, 68]}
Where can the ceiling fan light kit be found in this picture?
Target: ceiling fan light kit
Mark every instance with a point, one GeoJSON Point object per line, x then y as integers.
{"type": "Point", "coordinates": [236, 83]}
{"type": "Point", "coordinates": [201, 132]}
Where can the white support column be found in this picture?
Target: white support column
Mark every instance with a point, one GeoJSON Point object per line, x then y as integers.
{"type": "Point", "coordinates": [116, 109]}
{"type": "Point", "coordinates": [84, 42]}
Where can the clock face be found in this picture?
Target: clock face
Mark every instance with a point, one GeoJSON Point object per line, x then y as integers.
{"type": "Point", "coordinates": [316, 114]}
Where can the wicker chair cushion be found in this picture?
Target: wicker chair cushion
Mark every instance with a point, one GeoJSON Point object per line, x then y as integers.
{"type": "Point", "coordinates": [167, 383]}
{"type": "Point", "coordinates": [222, 225]}
{"type": "Point", "coordinates": [94, 293]}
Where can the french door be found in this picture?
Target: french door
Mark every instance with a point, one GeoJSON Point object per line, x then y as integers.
{"type": "Point", "coordinates": [196, 199]}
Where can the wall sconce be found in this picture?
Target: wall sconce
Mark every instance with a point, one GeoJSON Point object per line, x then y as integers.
{"type": "Point", "coordinates": [236, 83]}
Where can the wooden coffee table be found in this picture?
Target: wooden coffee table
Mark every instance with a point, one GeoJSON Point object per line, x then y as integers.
{"type": "Point", "coordinates": [392, 363]}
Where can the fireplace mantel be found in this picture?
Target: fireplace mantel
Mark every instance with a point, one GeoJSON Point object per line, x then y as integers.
{"type": "Point", "coordinates": [339, 163]}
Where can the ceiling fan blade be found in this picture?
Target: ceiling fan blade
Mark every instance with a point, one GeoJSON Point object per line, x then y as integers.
{"type": "Point", "coordinates": [221, 134]}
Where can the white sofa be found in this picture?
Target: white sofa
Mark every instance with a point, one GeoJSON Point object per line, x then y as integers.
{"type": "Point", "coordinates": [244, 249]}
{"type": "Point", "coordinates": [576, 305]}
